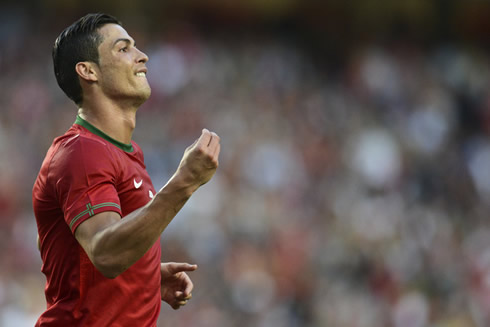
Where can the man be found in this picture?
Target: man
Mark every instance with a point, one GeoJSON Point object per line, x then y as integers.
{"type": "Point", "coordinates": [99, 217]}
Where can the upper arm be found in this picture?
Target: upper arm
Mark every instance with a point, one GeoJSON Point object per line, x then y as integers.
{"type": "Point", "coordinates": [87, 232]}
{"type": "Point", "coordinates": [84, 174]}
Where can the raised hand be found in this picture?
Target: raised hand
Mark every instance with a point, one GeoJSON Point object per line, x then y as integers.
{"type": "Point", "coordinates": [200, 159]}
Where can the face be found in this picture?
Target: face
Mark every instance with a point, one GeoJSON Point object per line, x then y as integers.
{"type": "Point", "coordinates": [121, 70]}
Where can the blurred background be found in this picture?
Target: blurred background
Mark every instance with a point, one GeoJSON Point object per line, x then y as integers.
{"type": "Point", "coordinates": [354, 179]}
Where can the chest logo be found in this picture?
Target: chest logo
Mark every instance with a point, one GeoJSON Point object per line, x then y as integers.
{"type": "Point", "coordinates": [137, 184]}
{"type": "Point", "coordinates": [150, 194]}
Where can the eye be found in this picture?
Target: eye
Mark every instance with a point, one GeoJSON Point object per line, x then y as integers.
{"type": "Point", "coordinates": [125, 49]}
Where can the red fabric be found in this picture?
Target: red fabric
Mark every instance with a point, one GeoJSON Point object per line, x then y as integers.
{"type": "Point", "coordinates": [84, 174]}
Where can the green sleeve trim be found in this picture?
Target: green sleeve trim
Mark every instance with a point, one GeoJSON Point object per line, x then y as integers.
{"type": "Point", "coordinates": [91, 128]}
{"type": "Point", "coordinates": [90, 210]}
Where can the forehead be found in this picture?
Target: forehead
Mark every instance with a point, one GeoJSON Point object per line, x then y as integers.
{"type": "Point", "coordinates": [112, 32]}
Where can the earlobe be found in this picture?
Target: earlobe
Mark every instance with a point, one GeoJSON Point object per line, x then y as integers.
{"type": "Point", "coordinates": [86, 71]}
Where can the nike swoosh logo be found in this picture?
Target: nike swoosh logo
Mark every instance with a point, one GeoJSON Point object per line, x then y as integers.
{"type": "Point", "coordinates": [137, 184]}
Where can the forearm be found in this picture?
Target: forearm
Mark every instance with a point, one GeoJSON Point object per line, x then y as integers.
{"type": "Point", "coordinates": [119, 245]}
{"type": "Point", "coordinates": [114, 244]}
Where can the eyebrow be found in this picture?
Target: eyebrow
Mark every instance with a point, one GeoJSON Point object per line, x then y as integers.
{"type": "Point", "coordinates": [123, 40]}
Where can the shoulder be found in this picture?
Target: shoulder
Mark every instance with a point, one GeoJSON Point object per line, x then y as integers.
{"type": "Point", "coordinates": [78, 150]}
{"type": "Point", "coordinates": [81, 145]}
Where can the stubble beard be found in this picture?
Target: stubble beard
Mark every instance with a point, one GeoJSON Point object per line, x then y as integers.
{"type": "Point", "coordinates": [144, 96]}
{"type": "Point", "coordinates": [132, 99]}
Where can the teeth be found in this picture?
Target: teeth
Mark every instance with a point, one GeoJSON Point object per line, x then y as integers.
{"type": "Point", "coordinates": [141, 74]}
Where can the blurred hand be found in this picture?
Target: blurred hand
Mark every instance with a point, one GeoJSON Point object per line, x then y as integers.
{"type": "Point", "coordinates": [200, 159]}
{"type": "Point", "coordinates": [176, 286]}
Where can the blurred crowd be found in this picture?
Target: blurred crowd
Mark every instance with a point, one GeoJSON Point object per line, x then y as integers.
{"type": "Point", "coordinates": [352, 197]}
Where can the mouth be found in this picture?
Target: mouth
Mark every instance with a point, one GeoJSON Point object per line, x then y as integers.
{"type": "Point", "coordinates": [141, 72]}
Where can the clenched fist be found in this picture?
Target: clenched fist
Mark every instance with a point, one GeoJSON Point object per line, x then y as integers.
{"type": "Point", "coordinates": [200, 159]}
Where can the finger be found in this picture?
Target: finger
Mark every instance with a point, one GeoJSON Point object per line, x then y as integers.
{"type": "Point", "coordinates": [181, 296]}
{"type": "Point", "coordinates": [186, 282]}
{"type": "Point", "coordinates": [216, 152]}
{"type": "Point", "coordinates": [189, 286]}
{"type": "Point", "coordinates": [175, 267]}
{"type": "Point", "coordinates": [214, 141]}
{"type": "Point", "coordinates": [204, 138]}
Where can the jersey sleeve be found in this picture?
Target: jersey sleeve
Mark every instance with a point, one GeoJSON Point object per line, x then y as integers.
{"type": "Point", "coordinates": [84, 173]}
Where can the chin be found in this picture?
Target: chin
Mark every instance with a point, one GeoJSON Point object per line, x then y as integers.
{"type": "Point", "coordinates": [143, 96]}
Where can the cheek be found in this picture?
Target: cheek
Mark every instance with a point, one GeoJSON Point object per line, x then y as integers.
{"type": "Point", "coordinates": [111, 74]}
{"type": "Point", "coordinates": [111, 82]}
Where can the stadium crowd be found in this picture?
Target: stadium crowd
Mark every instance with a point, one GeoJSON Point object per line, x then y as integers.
{"type": "Point", "coordinates": [356, 197]}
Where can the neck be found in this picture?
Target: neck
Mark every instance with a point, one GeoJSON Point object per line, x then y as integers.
{"type": "Point", "coordinates": [116, 121]}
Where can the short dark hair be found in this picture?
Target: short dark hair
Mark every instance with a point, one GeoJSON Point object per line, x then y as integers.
{"type": "Point", "coordinates": [78, 42]}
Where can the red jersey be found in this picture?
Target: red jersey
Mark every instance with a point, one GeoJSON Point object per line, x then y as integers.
{"type": "Point", "coordinates": [86, 172]}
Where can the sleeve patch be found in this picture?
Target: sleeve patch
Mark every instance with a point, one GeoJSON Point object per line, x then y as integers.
{"type": "Point", "coordinates": [90, 210]}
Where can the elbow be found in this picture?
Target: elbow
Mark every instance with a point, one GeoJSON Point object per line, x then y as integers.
{"type": "Point", "coordinates": [108, 272]}
{"type": "Point", "coordinates": [108, 265]}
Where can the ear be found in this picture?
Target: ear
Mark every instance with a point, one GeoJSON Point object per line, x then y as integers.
{"type": "Point", "coordinates": [86, 71]}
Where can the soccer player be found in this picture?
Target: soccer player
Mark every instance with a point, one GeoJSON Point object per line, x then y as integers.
{"type": "Point", "coordinates": [98, 215]}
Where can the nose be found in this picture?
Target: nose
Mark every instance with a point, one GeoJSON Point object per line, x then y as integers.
{"type": "Point", "coordinates": [142, 57]}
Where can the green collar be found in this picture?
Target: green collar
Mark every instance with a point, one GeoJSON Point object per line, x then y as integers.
{"type": "Point", "coordinates": [125, 147]}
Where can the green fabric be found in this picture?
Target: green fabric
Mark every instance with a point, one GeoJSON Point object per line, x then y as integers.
{"type": "Point", "coordinates": [125, 147]}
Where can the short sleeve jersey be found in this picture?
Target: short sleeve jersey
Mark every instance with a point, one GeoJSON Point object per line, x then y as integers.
{"type": "Point", "coordinates": [86, 172]}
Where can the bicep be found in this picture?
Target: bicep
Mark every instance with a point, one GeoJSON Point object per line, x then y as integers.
{"type": "Point", "coordinates": [87, 230]}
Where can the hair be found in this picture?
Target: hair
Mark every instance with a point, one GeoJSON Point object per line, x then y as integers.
{"type": "Point", "coordinates": [78, 42]}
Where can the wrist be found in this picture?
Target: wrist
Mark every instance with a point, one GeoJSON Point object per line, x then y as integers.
{"type": "Point", "coordinates": [181, 184]}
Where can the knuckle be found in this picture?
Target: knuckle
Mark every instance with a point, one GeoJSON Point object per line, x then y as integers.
{"type": "Point", "coordinates": [199, 150]}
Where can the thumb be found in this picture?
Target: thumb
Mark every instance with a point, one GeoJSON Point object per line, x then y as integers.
{"type": "Point", "coordinates": [202, 139]}
{"type": "Point", "coordinates": [205, 137]}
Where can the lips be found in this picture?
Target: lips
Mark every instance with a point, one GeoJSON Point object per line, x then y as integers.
{"type": "Point", "coordinates": [142, 72]}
